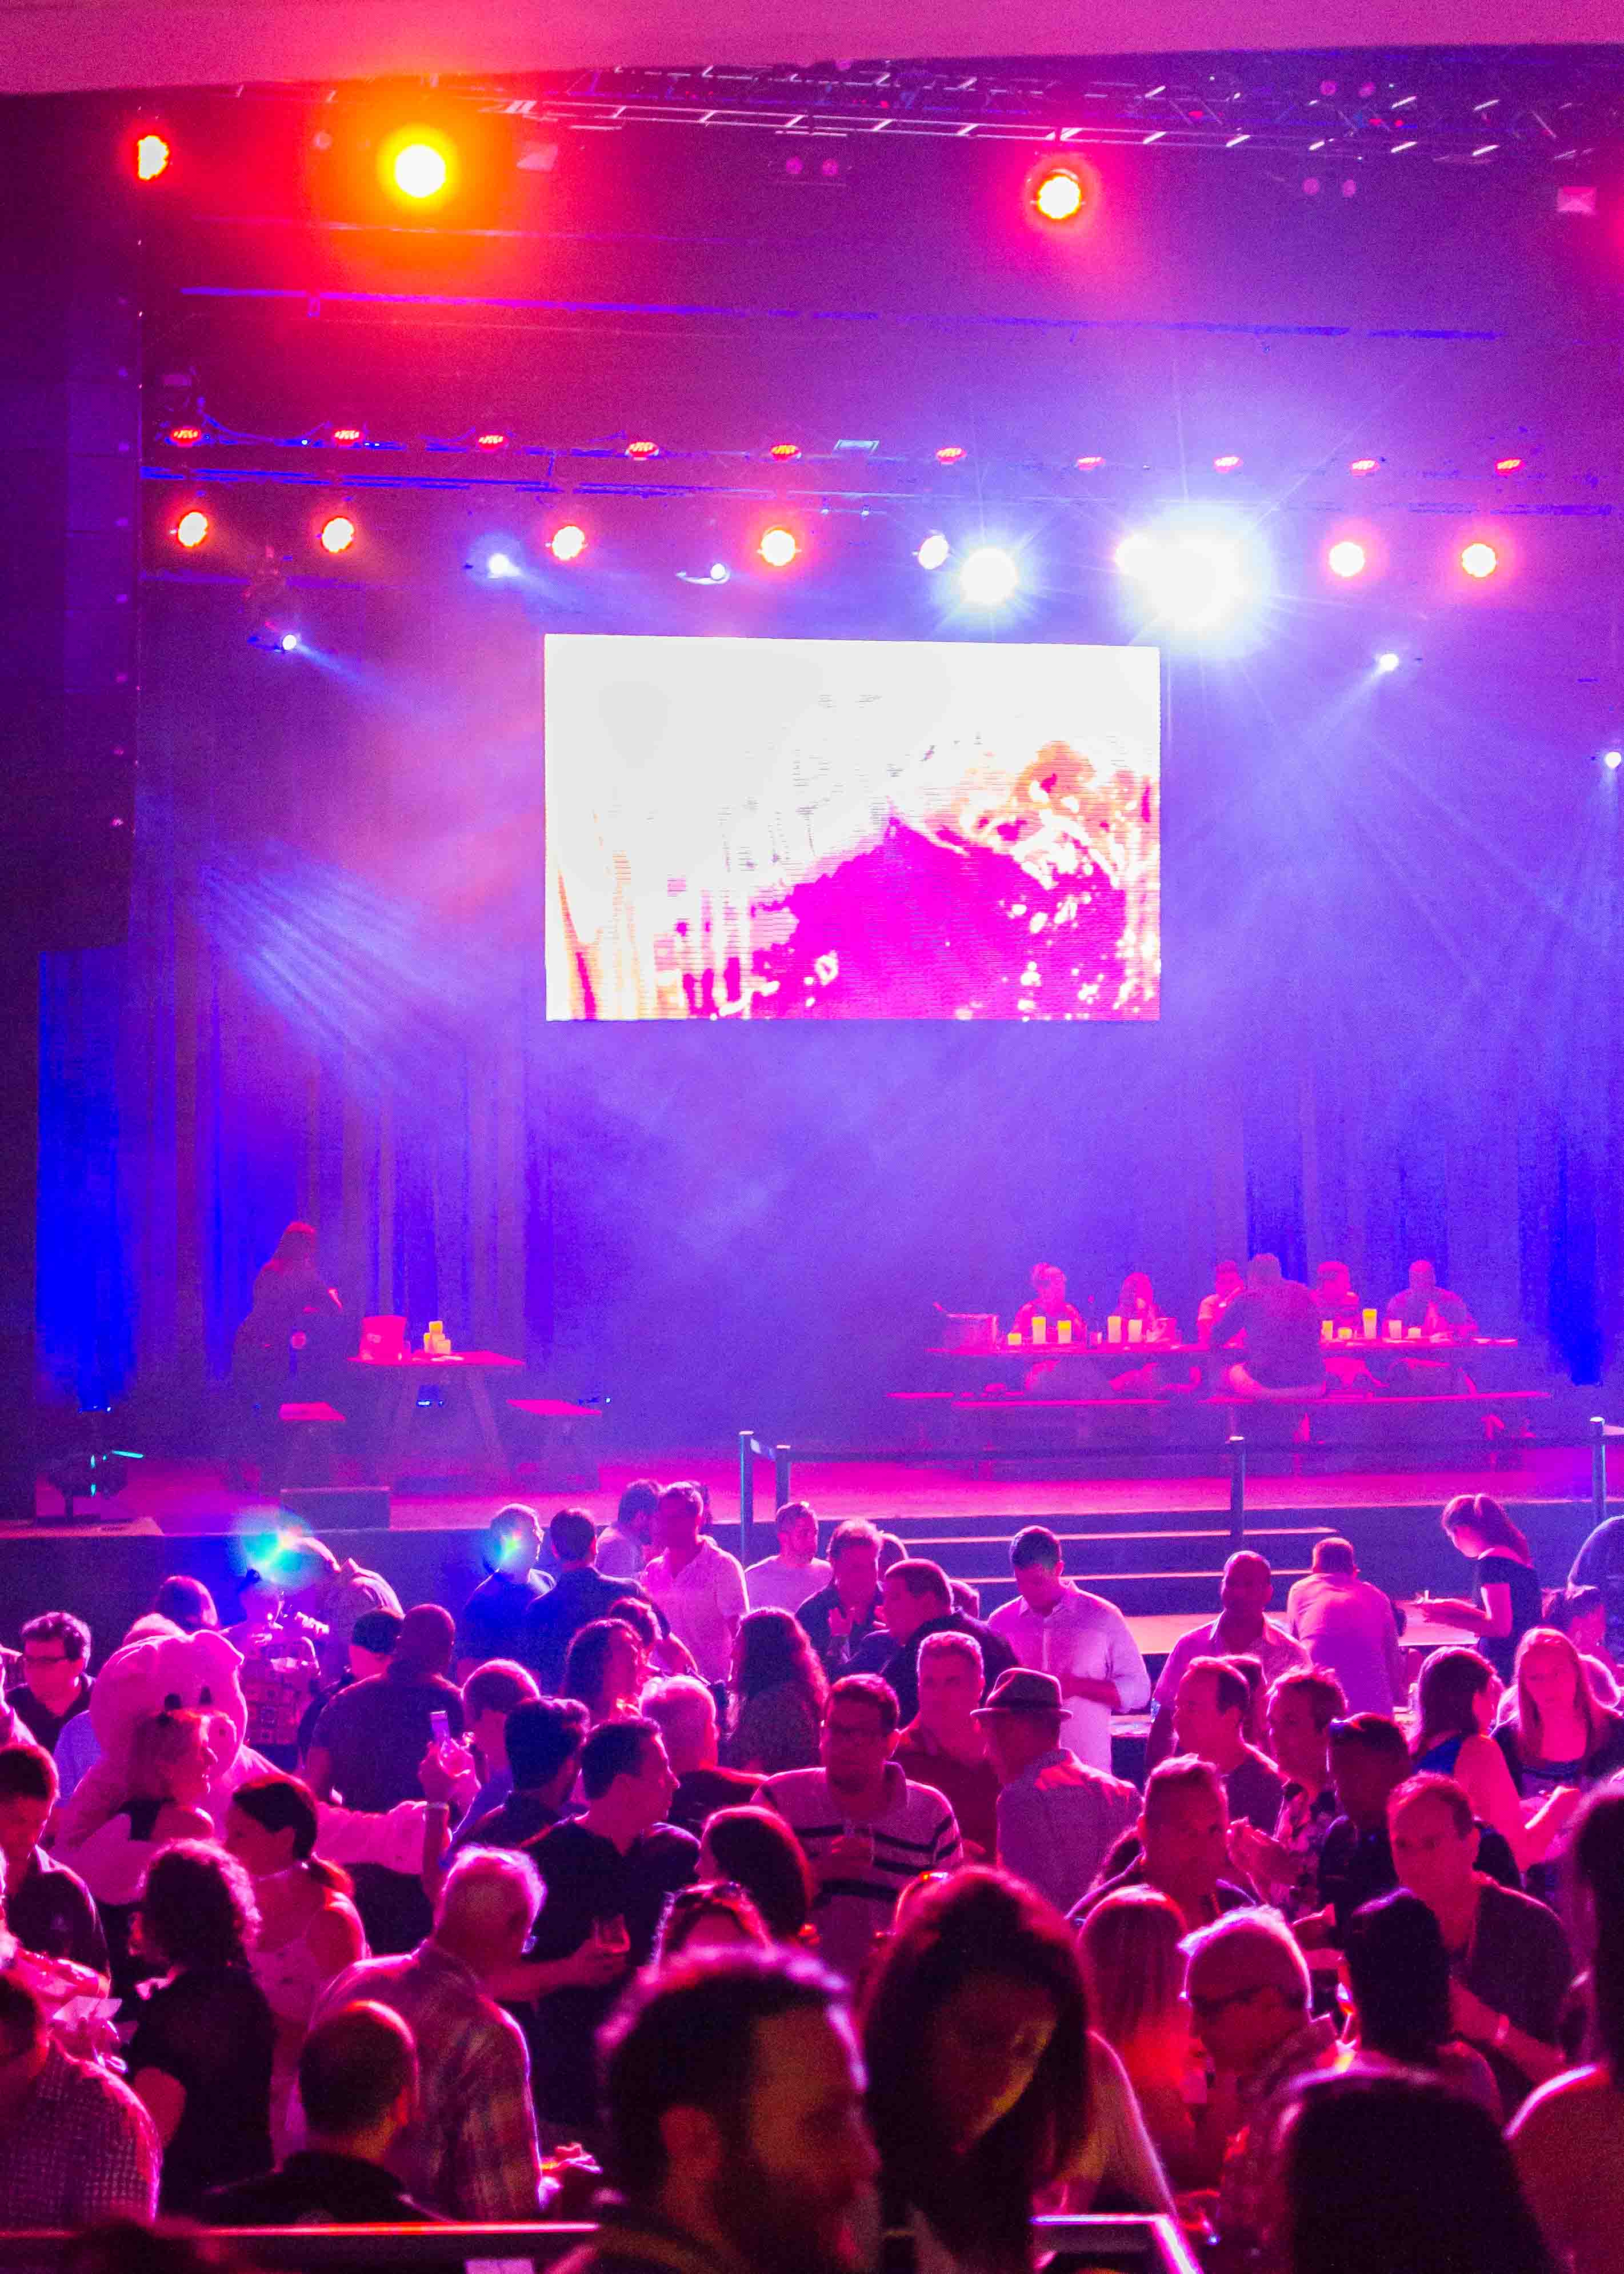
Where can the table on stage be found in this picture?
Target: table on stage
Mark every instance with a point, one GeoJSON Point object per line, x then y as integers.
{"type": "Point", "coordinates": [1097, 1358]}
{"type": "Point", "coordinates": [462, 1375]}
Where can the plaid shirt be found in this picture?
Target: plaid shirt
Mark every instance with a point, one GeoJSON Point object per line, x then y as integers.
{"type": "Point", "coordinates": [83, 2149]}
{"type": "Point", "coordinates": [1250, 2183]}
{"type": "Point", "coordinates": [470, 2152]}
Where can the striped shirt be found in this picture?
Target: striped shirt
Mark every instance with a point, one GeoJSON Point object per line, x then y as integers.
{"type": "Point", "coordinates": [914, 1830]}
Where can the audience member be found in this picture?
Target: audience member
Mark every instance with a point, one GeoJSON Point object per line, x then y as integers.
{"type": "Point", "coordinates": [658, 1649]}
{"type": "Point", "coordinates": [779, 1694]}
{"type": "Point", "coordinates": [1057, 1817]}
{"type": "Point", "coordinates": [1508, 1956]}
{"type": "Point", "coordinates": [48, 1907]}
{"type": "Point", "coordinates": [865, 1829]}
{"type": "Point", "coordinates": [186, 1603]}
{"type": "Point", "coordinates": [1239, 1630]}
{"type": "Point", "coordinates": [1285, 1363]}
{"type": "Point", "coordinates": [334, 1593]}
{"type": "Point", "coordinates": [490, 1694]}
{"type": "Point", "coordinates": [1398, 1978]}
{"type": "Point", "coordinates": [1286, 1865]}
{"type": "Point", "coordinates": [56, 1683]}
{"type": "Point", "coordinates": [1567, 2138]}
{"type": "Point", "coordinates": [1600, 1564]}
{"type": "Point", "coordinates": [1454, 1703]}
{"type": "Point", "coordinates": [1399, 2173]}
{"type": "Point", "coordinates": [844, 1614]}
{"type": "Point", "coordinates": [543, 1737]}
{"type": "Point", "coordinates": [733, 2123]}
{"type": "Point", "coordinates": [711, 1915]}
{"type": "Point", "coordinates": [280, 1672]}
{"type": "Point", "coordinates": [1369, 1760]}
{"type": "Point", "coordinates": [943, 1745]}
{"type": "Point", "coordinates": [625, 1546]}
{"type": "Point", "coordinates": [201, 2057]}
{"type": "Point", "coordinates": [1209, 1714]}
{"type": "Point", "coordinates": [170, 1775]}
{"type": "Point", "coordinates": [697, 1584]}
{"type": "Point", "coordinates": [76, 2145]}
{"type": "Point", "coordinates": [607, 1874]}
{"type": "Point", "coordinates": [357, 2086]}
{"type": "Point", "coordinates": [683, 1709]}
{"type": "Point", "coordinates": [1133, 1962]}
{"type": "Point", "coordinates": [493, 1620]}
{"type": "Point", "coordinates": [310, 1929]}
{"type": "Point", "coordinates": [1249, 1995]}
{"type": "Point", "coordinates": [1082, 1639]}
{"type": "Point", "coordinates": [1049, 1303]}
{"type": "Point", "coordinates": [755, 1848]}
{"type": "Point", "coordinates": [1429, 1307]}
{"type": "Point", "coordinates": [1182, 1846]}
{"type": "Point", "coordinates": [604, 1671]}
{"type": "Point", "coordinates": [916, 1601]}
{"type": "Point", "coordinates": [373, 1640]}
{"type": "Point", "coordinates": [1348, 1629]}
{"type": "Point", "coordinates": [580, 1595]}
{"type": "Point", "coordinates": [470, 2151]}
{"type": "Point", "coordinates": [1506, 1598]}
{"type": "Point", "coordinates": [783, 1581]}
{"type": "Point", "coordinates": [1556, 1737]}
{"type": "Point", "coordinates": [1580, 1614]}
{"type": "Point", "coordinates": [986, 2086]}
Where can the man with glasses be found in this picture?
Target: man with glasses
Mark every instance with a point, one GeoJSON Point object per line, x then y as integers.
{"type": "Point", "coordinates": [56, 1685]}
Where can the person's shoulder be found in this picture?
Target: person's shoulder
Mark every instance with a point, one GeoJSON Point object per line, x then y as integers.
{"type": "Point", "coordinates": [1006, 1616]}
{"type": "Point", "coordinates": [798, 1789]}
{"type": "Point", "coordinates": [670, 1844]}
{"type": "Point", "coordinates": [1525, 1914]}
{"type": "Point", "coordinates": [1098, 1609]}
{"type": "Point", "coordinates": [1577, 2093]}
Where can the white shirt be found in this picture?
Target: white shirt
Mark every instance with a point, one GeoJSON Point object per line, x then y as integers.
{"type": "Point", "coordinates": [1348, 1629]}
{"type": "Point", "coordinates": [1083, 1636]}
{"type": "Point", "coordinates": [618, 1557]}
{"type": "Point", "coordinates": [777, 1586]}
{"type": "Point", "coordinates": [704, 1602]}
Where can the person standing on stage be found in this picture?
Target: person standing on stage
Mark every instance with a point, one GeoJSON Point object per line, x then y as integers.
{"type": "Point", "coordinates": [292, 1328]}
{"type": "Point", "coordinates": [1079, 1638]}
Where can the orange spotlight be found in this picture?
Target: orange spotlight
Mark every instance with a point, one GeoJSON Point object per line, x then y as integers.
{"type": "Point", "coordinates": [183, 437]}
{"type": "Point", "coordinates": [418, 162]}
{"type": "Point", "coordinates": [491, 441]}
{"type": "Point", "coordinates": [152, 157]}
{"type": "Point", "coordinates": [1479, 559]}
{"type": "Point", "coordinates": [1347, 558]}
{"type": "Point", "coordinates": [192, 529]}
{"type": "Point", "coordinates": [643, 449]}
{"type": "Point", "coordinates": [1058, 194]}
{"type": "Point", "coordinates": [785, 450]}
{"type": "Point", "coordinates": [777, 546]}
{"type": "Point", "coordinates": [567, 543]}
{"type": "Point", "coordinates": [338, 533]}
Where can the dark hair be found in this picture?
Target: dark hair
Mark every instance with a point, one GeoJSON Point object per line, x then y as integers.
{"type": "Point", "coordinates": [501, 1528]}
{"type": "Point", "coordinates": [854, 1532]}
{"type": "Point", "coordinates": [1323, 1692]}
{"type": "Point", "coordinates": [1034, 1545]}
{"type": "Point", "coordinates": [637, 1613]}
{"type": "Point", "coordinates": [354, 2066]}
{"type": "Point", "coordinates": [196, 1904]}
{"type": "Point", "coordinates": [975, 1923]}
{"type": "Point", "coordinates": [1563, 1606]}
{"type": "Point", "coordinates": [297, 1244]}
{"type": "Point", "coordinates": [641, 1497]}
{"type": "Point", "coordinates": [571, 1533]}
{"type": "Point", "coordinates": [689, 1908]}
{"type": "Point", "coordinates": [1234, 1694]}
{"type": "Point", "coordinates": [684, 2037]}
{"type": "Point", "coordinates": [21, 2013]}
{"type": "Point", "coordinates": [286, 1803]}
{"type": "Point", "coordinates": [614, 1749]}
{"type": "Point", "coordinates": [791, 1511]}
{"type": "Point", "coordinates": [687, 1496]}
{"type": "Point", "coordinates": [1403, 2174]}
{"type": "Point", "coordinates": [427, 1643]}
{"type": "Point", "coordinates": [1264, 1269]}
{"type": "Point", "coordinates": [1596, 1861]}
{"type": "Point", "coordinates": [776, 1648]}
{"type": "Point", "coordinates": [1335, 1553]}
{"type": "Point", "coordinates": [867, 1689]}
{"type": "Point", "coordinates": [1488, 1519]}
{"type": "Point", "coordinates": [1171, 1778]}
{"type": "Point", "coordinates": [541, 1735]}
{"type": "Point", "coordinates": [1449, 1683]}
{"type": "Point", "coordinates": [925, 1581]}
{"type": "Point", "coordinates": [27, 1773]}
{"type": "Point", "coordinates": [186, 1603]}
{"type": "Point", "coordinates": [497, 1687]}
{"type": "Point", "coordinates": [63, 1627]}
{"type": "Point", "coordinates": [379, 1632]}
{"type": "Point", "coordinates": [586, 1662]}
{"type": "Point", "coordinates": [1399, 1972]}
{"type": "Point", "coordinates": [1375, 1733]}
{"type": "Point", "coordinates": [757, 1848]}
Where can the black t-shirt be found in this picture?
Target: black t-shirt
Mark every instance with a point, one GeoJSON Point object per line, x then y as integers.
{"type": "Point", "coordinates": [212, 2031]}
{"type": "Point", "coordinates": [314, 2188]}
{"type": "Point", "coordinates": [587, 1878]}
{"type": "Point", "coordinates": [580, 1595]}
{"type": "Point", "coordinates": [1526, 1605]}
{"type": "Point", "coordinates": [1355, 1867]}
{"type": "Point", "coordinates": [51, 1912]}
{"type": "Point", "coordinates": [377, 1732]}
{"type": "Point", "coordinates": [493, 1620]}
{"type": "Point", "coordinates": [42, 1725]}
{"type": "Point", "coordinates": [902, 1669]}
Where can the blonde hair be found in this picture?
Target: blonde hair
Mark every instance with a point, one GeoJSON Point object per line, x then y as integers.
{"type": "Point", "coordinates": [1131, 1946]}
{"type": "Point", "coordinates": [159, 1745]}
{"type": "Point", "coordinates": [1530, 1736]}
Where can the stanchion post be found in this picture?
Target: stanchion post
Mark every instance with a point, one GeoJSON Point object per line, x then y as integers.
{"type": "Point", "coordinates": [747, 1496]}
{"type": "Point", "coordinates": [1598, 1470]}
{"type": "Point", "coordinates": [780, 1481]}
{"type": "Point", "coordinates": [1237, 1448]}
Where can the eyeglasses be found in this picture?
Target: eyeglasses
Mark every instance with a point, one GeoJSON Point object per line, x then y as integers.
{"type": "Point", "coordinates": [1208, 2010]}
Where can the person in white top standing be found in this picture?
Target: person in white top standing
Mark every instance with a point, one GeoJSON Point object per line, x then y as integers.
{"type": "Point", "coordinates": [1348, 1629]}
{"type": "Point", "coordinates": [783, 1581]}
{"type": "Point", "coordinates": [1079, 1638]}
{"type": "Point", "coordinates": [698, 1585]}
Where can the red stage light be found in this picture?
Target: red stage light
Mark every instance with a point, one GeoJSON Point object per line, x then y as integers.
{"type": "Point", "coordinates": [778, 547]}
{"type": "Point", "coordinates": [1226, 465]}
{"type": "Point", "coordinates": [1347, 558]}
{"type": "Point", "coordinates": [183, 437]}
{"type": "Point", "coordinates": [1507, 465]}
{"type": "Point", "coordinates": [567, 543]}
{"type": "Point", "coordinates": [420, 169]}
{"type": "Point", "coordinates": [1479, 559]}
{"type": "Point", "coordinates": [492, 442]}
{"type": "Point", "coordinates": [192, 529]}
{"type": "Point", "coordinates": [345, 438]}
{"type": "Point", "coordinates": [1364, 465]}
{"type": "Point", "coordinates": [152, 157]}
{"type": "Point", "coordinates": [1088, 465]}
{"type": "Point", "coordinates": [1058, 194]}
{"type": "Point", "coordinates": [338, 533]}
{"type": "Point", "coordinates": [785, 450]}
{"type": "Point", "coordinates": [950, 454]}
{"type": "Point", "coordinates": [643, 449]}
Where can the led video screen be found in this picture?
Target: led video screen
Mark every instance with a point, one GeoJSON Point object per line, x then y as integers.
{"type": "Point", "coordinates": [850, 828]}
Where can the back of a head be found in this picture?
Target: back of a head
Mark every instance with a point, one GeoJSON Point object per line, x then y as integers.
{"type": "Point", "coordinates": [925, 1581]}
{"type": "Point", "coordinates": [353, 2067]}
{"type": "Point", "coordinates": [27, 1773]}
{"type": "Point", "coordinates": [187, 1603]}
{"type": "Point", "coordinates": [1176, 1779]}
{"type": "Point", "coordinates": [542, 1735]}
{"type": "Point", "coordinates": [198, 1906]}
{"type": "Point", "coordinates": [1263, 1270]}
{"type": "Point", "coordinates": [1398, 1971]}
{"type": "Point", "coordinates": [427, 1643]}
{"type": "Point", "coordinates": [1035, 1544]}
{"type": "Point", "coordinates": [1134, 1959]}
{"type": "Point", "coordinates": [1271, 1950]}
{"type": "Point", "coordinates": [485, 1892]}
{"type": "Point", "coordinates": [297, 1245]}
{"type": "Point", "coordinates": [614, 1749]}
{"type": "Point", "coordinates": [1333, 1554]}
{"type": "Point", "coordinates": [572, 1535]}
{"type": "Point", "coordinates": [497, 1687]}
{"type": "Point", "coordinates": [378, 1632]}
{"type": "Point", "coordinates": [757, 1848]}
{"type": "Point", "coordinates": [1397, 2173]}
{"type": "Point", "coordinates": [683, 1708]}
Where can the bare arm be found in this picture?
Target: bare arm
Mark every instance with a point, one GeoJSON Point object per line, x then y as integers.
{"type": "Point", "coordinates": [164, 2099]}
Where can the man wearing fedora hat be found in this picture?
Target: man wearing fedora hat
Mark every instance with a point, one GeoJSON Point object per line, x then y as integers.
{"type": "Point", "coordinates": [1057, 1817]}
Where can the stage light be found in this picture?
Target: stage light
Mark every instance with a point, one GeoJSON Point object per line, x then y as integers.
{"type": "Point", "coordinates": [419, 170]}
{"type": "Point", "coordinates": [346, 438]}
{"type": "Point", "coordinates": [1192, 579]}
{"type": "Point", "coordinates": [988, 578]}
{"type": "Point", "coordinates": [491, 441]}
{"type": "Point", "coordinates": [1089, 465]}
{"type": "Point", "coordinates": [338, 533]}
{"type": "Point", "coordinates": [567, 543]}
{"type": "Point", "coordinates": [1364, 465]}
{"type": "Point", "coordinates": [502, 564]}
{"type": "Point", "coordinates": [183, 437]}
{"type": "Point", "coordinates": [1507, 465]}
{"type": "Point", "coordinates": [287, 643]}
{"type": "Point", "coordinates": [1612, 760]}
{"type": "Point", "coordinates": [192, 529]}
{"type": "Point", "coordinates": [778, 547]}
{"type": "Point", "coordinates": [933, 551]}
{"type": "Point", "coordinates": [152, 157]}
{"type": "Point", "coordinates": [1347, 558]}
{"type": "Point", "coordinates": [1058, 195]}
{"type": "Point", "coordinates": [643, 449]}
{"type": "Point", "coordinates": [785, 450]}
{"type": "Point", "coordinates": [1479, 559]}
{"type": "Point", "coordinates": [950, 454]}
{"type": "Point", "coordinates": [1228, 464]}
{"type": "Point", "coordinates": [1386, 662]}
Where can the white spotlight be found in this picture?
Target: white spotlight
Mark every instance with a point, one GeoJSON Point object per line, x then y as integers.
{"type": "Point", "coordinates": [933, 551]}
{"type": "Point", "coordinates": [988, 578]}
{"type": "Point", "coordinates": [1612, 760]}
{"type": "Point", "coordinates": [1387, 662]}
{"type": "Point", "coordinates": [502, 564]}
{"type": "Point", "coordinates": [1191, 579]}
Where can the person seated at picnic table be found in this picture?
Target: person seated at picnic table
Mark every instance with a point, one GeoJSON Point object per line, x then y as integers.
{"type": "Point", "coordinates": [1334, 1292]}
{"type": "Point", "coordinates": [1228, 1282]}
{"type": "Point", "coordinates": [1435, 1310]}
{"type": "Point", "coordinates": [1284, 1361]}
{"type": "Point", "coordinates": [1049, 1303]}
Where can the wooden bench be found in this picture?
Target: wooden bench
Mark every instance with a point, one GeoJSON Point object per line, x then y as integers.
{"type": "Point", "coordinates": [558, 1458]}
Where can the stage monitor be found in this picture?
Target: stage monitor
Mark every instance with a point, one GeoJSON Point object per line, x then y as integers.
{"type": "Point", "coordinates": [850, 828]}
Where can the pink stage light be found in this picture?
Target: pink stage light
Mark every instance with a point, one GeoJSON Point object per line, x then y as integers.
{"type": "Point", "coordinates": [338, 533]}
{"type": "Point", "coordinates": [1364, 465]}
{"type": "Point", "coordinates": [777, 546]}
{"type": "Point", "coordinates": [183, 437]}
{"type": "Point", "coordinates": [1347, 558]}
{"type": "Point", "coordinates": [1058, 195]}
{"type": "Point", "coordinates": [643, 449]}
{"type": "Point", "coordinates": [1479, 559]}
{"type": "Point", "coordinates": [567, 543]}
{"type": "Point", "coordinates": [1507, 465]}
{"type": "Point", "coordinates": [1228, 464]}
{"type": "Point", "coordinates": [192, 529]}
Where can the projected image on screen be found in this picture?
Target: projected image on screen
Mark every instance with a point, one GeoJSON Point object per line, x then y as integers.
{"type": "Point", "coordinates": [850, 828]}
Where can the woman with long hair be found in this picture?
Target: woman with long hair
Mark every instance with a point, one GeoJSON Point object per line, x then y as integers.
{"type": "Point", "coordinates": [604, 1671]}
{"type": "Point", "coordinates": [987, 2088]}
{"type": "Point", "coordinates": [1455, 1702]}
{"type": "Point", "coordinates": [202, 2056]}
{"type": "Point", "coordinates": [310, 1929]}
{"type": "Point", "coordinates": [755, 1849]}
{"type": "Point", "coordinates": [779, 1688]}
{"type": "Point", "coordinates": [1507, 1599]}
{"type": "Point", "coordinates": [1131, 1946]}
{"type": "Point", "coordinates": [1397, 1971]}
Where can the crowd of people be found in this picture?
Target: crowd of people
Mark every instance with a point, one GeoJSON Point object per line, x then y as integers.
{"type": "Point", "coordinates": [769, 1911]}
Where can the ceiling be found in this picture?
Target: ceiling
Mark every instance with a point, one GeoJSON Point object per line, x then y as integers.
{"type": "Point", "coordinates": [63, 45]}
